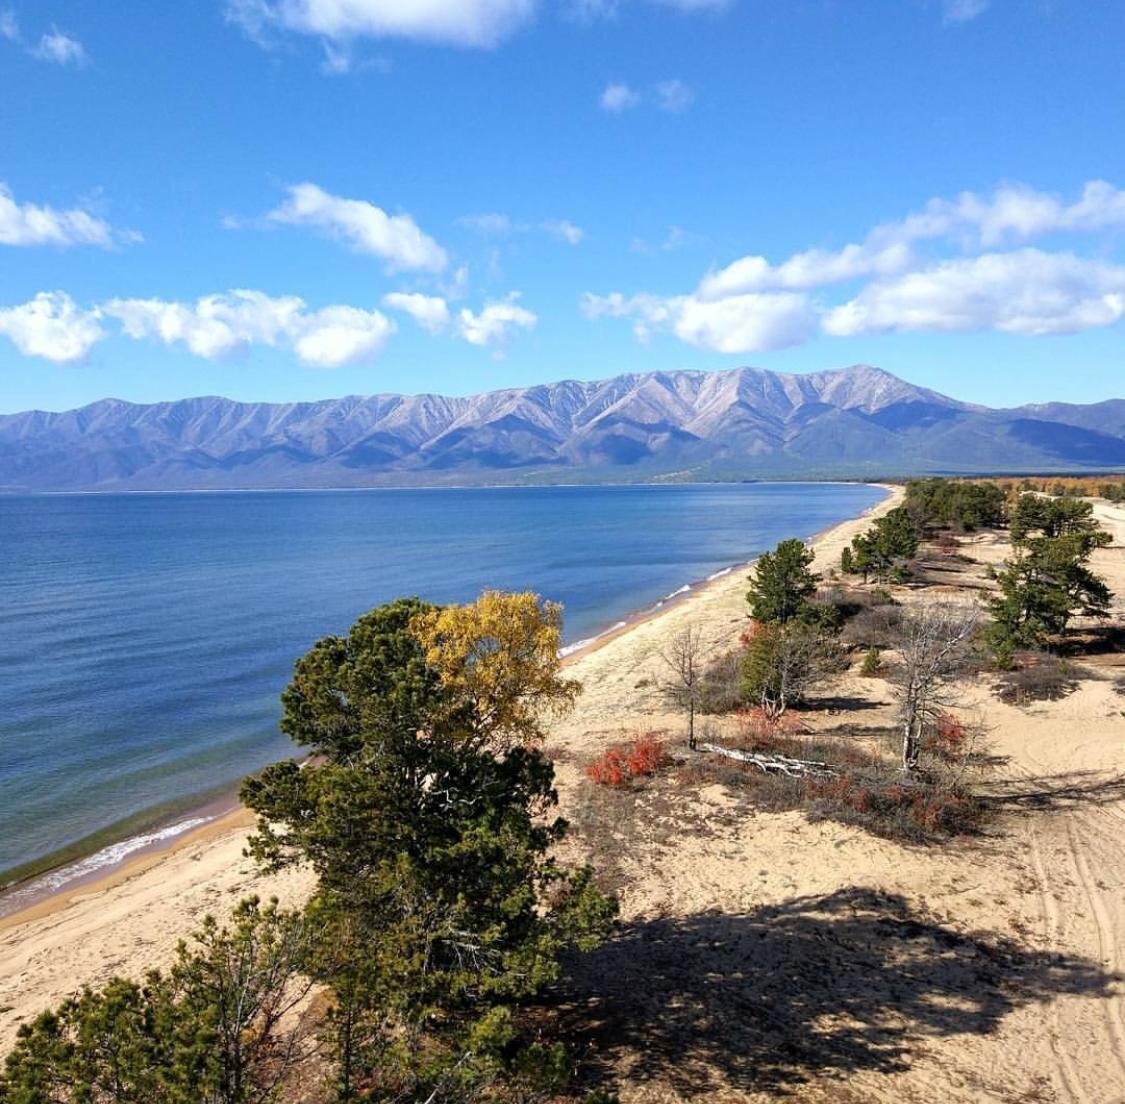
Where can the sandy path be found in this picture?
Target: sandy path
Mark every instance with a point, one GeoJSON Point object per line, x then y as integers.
{"type": "Point", "coordinates": [764, 956]}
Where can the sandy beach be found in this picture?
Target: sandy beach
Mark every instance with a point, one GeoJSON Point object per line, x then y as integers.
{"type": "Point", "coordinates": [761, 954]}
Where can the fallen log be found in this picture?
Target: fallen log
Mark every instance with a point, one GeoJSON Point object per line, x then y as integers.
{"type": "Point", "coordinates": [773, 764]}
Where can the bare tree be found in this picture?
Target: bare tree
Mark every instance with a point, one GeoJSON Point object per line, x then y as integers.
{"type": "Point", "coordinates": [685, 657]}
{"type": "Point", "coordinates": [933, 642]}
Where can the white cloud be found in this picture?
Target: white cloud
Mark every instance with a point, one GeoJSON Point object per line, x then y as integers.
{"type": "Point", "coordinates": [52, 326]}
{"type": "Point", "coordinates": [676, 238]}
{"type": "Point", "coordinates": [218, 325]}
{"type": "Point", "coordinates": [491, 223]}
{"type": "Point", "coordinates": [813, 268]}
{"type": "Point", "coordinates": [335, 336]}
{"type": "Point", "coordinates": [213, 326]}
{"type": "Point", "coordinates": [9, 28]}
{"type": "Point", "coordinates": [618, 97]}
{"type": "Point", "coordinates": [396, 239]}
{"type": "Point", "coordinates": [431, 312]}
{"type": "Point", "coordinates": [564, 230]}
{"type": "Point", "coordinates": [60, 48]}
{"type": "Point", "coordinates": [1013, 213]}
{"type": "Point", "coordinates": [963, 11]}
{"type": "Point", "coordinates": [674, 96]}
{"type": "Point", "coordinates": [752, 304]}
{"type": "Point", "coordinates": [739, 324]}
{"type": "Point", "coordinates": [467, 23]}
{"type": "Point", "coordinates": [492, 326]}
{"type": "Point", "coordinates": [29, 224]}
{"type": "Point", "coordinates": [1025, 292]}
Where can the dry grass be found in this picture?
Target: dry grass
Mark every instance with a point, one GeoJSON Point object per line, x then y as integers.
{"type": "Point", "coordinates": [1036, 676]}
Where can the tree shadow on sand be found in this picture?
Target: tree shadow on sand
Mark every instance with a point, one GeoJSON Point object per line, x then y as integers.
{"type": "Point", "coordinates": [817, 986]}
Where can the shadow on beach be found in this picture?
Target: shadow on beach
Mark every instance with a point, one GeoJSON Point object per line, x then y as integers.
{"type": "Point", "coordinates": [818, 986]}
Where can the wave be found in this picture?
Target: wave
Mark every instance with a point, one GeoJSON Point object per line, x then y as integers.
{"type": "Point", "coordinates": [585, 642]}
{"type": "Point", "coordinates": [46, 884]}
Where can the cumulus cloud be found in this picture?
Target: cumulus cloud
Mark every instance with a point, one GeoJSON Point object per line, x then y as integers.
{"type": "Point", "coordinates": [212, 327]}
{"type": "Point", "coordinates": [748, 323]}
{"type": "Point", "coordinates": [339, 335]}
{"type": "Point", "coordinates": [30, 224]}
{"type": "Point", "coordinates": [493, 325]}
{"type": "Point", "coordinates": [674, 96]}
{"type": "Point", "coordinates": [617, 98]}
{"type": "Point", "coordinates": [431, 312]}
{"type": "Point", "coordinates": [752, 304]}
{"type": "Point", "coordinates": [396, 239]}
{"type": "Point", "coordinates": [810, 269]}
{"type": "Point", "coordinates": [1023, 292]}
{"type": "Point", "coordinates": [1013, 213]}
{"type": "Point", "coordinates": [218, 325]}
{"type": "Point", "coordinates": [52, 326]}
{"type": "Point", "coordinates": [466, 23]}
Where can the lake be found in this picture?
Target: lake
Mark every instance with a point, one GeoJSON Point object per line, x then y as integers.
{"type": "Point", "coordinates": [145, 638]}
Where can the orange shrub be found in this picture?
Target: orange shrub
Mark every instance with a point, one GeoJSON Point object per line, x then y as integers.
{"type": "Point", "coordinates": [950, 733]}
{"type": "Point", "coordinates": [757, 726]}
{"type": "Point", "coordinates": [618, 765]}
{"type": "Point", "coordinates": [646, 756]}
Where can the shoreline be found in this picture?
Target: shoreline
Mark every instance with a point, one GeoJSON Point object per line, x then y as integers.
{"type": "Point", "coordinates": [44, 892]}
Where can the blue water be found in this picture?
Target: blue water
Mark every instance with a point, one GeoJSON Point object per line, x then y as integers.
{"type": "Point", "coordinates": [145, 639]}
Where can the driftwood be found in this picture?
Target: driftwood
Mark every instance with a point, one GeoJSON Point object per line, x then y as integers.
{"type": "Point", "coordinates": [774, 764]}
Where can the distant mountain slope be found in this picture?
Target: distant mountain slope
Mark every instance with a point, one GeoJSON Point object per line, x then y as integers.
{"type": "Point", "coordinates": [744, 423]}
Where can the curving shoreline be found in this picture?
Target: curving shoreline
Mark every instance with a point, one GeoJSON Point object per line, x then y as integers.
{"type": "Point", "coordinates": [131, 854]}
{"type": "Point", "coordinates": [128, 918]}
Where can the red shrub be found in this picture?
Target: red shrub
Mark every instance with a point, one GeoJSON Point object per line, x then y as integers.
{"type": "Point", "coordinates": [618, 765]}
{"type": "Point", "coordinates": [646, 756]}
{"type": "Point", "coordinates": [950, 734]}
{"type": "Point", "coordinates": [759, 728]}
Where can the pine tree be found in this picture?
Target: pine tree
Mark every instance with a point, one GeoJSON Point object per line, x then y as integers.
{"type": "Point", "coordinates": [782, 583]}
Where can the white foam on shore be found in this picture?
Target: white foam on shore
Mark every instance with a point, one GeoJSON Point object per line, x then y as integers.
{"type": "Point", "coordinates": [585, 642]}
{"type": "Point", "coordinates": [54, 880]}
{"type": "Point", "coordinates": [719, 574]}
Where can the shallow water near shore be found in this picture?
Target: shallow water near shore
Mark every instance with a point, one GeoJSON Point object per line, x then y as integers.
{"type": "Point", "coordinates": [145, 638]}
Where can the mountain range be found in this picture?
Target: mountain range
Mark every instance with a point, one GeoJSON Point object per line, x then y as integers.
{"type": "Point", "coordinates": [746, 423]}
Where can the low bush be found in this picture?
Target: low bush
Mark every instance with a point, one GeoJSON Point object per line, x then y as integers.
{"type": "Point", "coordinates": [875, 626]}
{"type": "Point", "coordinates": [913, 812]}
{"type": "Point", "coordinates": [1035, 676]}
{"type": "Point", "coordinates": [625, 763]}
{"type": "Point", "coordinates": [721, 689]}
{"type": "Point", "coordinates": [872, 664]}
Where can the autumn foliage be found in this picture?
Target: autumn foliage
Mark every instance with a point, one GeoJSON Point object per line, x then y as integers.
{"type": "Point", "coordinates": [626, 762]}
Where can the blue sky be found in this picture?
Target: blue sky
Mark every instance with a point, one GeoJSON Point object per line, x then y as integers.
{"type": "Point", "coordinates": [296, 199]}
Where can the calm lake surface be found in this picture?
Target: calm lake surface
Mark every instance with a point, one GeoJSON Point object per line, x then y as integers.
{"type": "Point", "coordinates": [145, 638]}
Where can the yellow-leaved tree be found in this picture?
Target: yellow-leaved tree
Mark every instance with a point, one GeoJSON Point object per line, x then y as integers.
{"type": "Point", "coordinates": [501, 653]}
